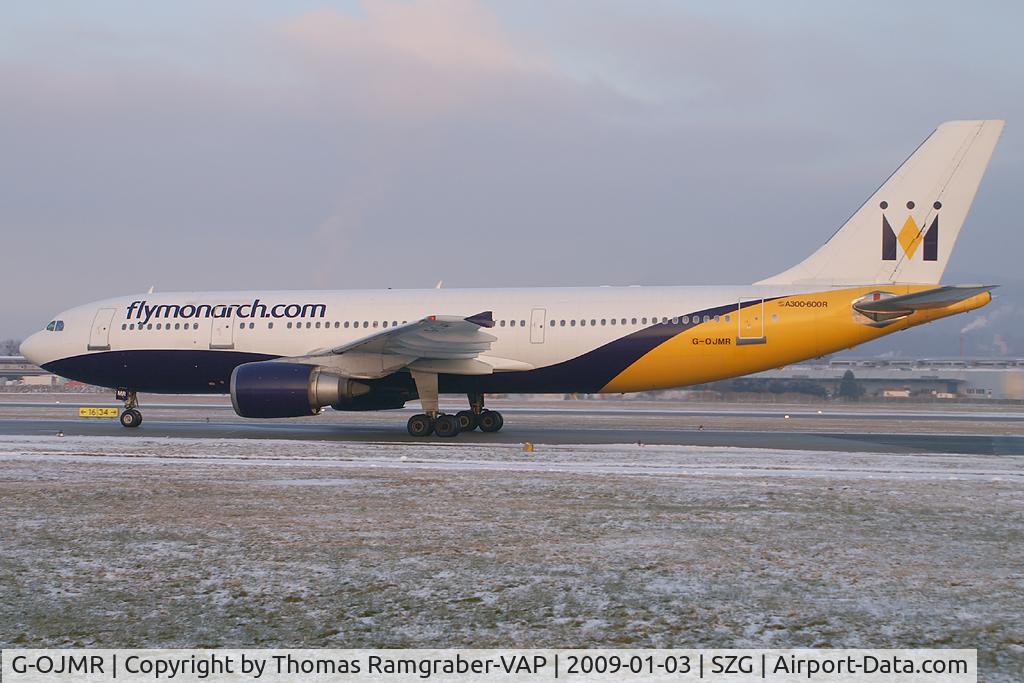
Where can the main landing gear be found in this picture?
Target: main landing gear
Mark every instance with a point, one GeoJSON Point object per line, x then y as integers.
{"type": "Point", "coordinates": [132, 416]}
{"type": "Point", "coordinates": [433, 421]}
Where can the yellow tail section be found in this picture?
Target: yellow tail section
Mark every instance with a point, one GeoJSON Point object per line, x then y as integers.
{"type": "Point", "coordinates": [795, 328]}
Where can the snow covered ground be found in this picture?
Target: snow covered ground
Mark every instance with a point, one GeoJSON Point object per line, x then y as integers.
{"type": "Point", "coordinates": [197, 542]}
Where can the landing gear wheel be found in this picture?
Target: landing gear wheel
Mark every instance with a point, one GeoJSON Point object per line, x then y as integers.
{"type": "Point", "coordinates": [131, 418]}
{"type": "Point", "coordinates": [420, 425]}
{"type": "Point", "coordinates": [446, 426]}
{"type": "Point", "coordinates": [491, 421]}
{"type": "Point", "coordinates": [468, 420]}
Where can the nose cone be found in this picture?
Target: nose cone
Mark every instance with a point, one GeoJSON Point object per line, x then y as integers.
{"type": "Point", "coordinates": [32, 349]}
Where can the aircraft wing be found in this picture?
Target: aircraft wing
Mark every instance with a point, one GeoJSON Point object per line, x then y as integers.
{"type": "Point", "coordinates": [437, 343]}
{"type": "Point", "coordinates": [940, 297]}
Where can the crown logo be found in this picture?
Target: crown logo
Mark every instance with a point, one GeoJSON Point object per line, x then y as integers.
{"type": "Point", "coordinates": [911, 237]}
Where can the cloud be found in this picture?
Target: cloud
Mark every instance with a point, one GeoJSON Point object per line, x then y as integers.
{"type": "Point", "coordinates": [411, 59]}
{"type": "Point", "coordinates": [398, 143]}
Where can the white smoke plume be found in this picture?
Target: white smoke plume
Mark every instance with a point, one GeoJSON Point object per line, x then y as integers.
{"type": "Point", "coordinates": [978, 323]}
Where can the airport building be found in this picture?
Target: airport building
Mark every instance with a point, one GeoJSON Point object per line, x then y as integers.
{"type": "Point", "coordinates": [941, 378]}
{"type": "Point", "coordinates": [15, 371]}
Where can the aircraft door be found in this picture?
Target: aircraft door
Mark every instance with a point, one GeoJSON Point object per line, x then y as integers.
{"type": "Point", "coordinates": [222, 336]}
{"type": "Point", "coordinates": [99, 335]}
{"type": "Point", "coordinates": [537, 323]}
{"type": "Point", "coordinates": [750, 318]}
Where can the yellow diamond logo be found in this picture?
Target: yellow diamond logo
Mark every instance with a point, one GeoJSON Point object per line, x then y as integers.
{"type": "Point", "coordinates": [910, 237]}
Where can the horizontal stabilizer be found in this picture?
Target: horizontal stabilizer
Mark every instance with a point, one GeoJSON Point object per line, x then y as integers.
{"type": "Point", "coordinates": [940, 297]}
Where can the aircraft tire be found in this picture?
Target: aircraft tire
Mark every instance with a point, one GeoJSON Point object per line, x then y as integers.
{"type": "Point", "coordinates": [491, 421]}
{"type": "Point", "coordinates": [468, 420]}
{"type": "Point", "coordinates": [446, 426]}
{"type": "Point", "coordinates": [131, 418]}
{"type": "Point", "coordinates": [420, 425]}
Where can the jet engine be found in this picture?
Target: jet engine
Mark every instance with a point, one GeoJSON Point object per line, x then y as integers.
{"type": "Point", "coordinates": [272, 389]}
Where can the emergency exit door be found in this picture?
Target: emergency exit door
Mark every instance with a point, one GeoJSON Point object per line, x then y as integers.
{"type": "Point", "coordinates": [222, 336]}
{"type": "Point", "coordinates": [537, 318]}
{"type": "Point", "coordinates": [750, 316]}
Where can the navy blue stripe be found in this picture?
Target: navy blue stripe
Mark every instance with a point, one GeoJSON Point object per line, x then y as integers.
{"type": "Point", "coordinates": [195, 371]}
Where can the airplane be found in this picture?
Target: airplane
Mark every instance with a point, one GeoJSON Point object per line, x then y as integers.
{"type": "Point", "coordinates": [293, 353]}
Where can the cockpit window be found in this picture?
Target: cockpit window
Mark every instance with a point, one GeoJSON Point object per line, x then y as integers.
{"type": "Point", "coordinates": [55, 326]}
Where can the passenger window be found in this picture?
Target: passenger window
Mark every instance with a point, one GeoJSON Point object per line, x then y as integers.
{"type": "Point", "coordinates": [583, 323]}
{"type": "Point", "coordinates": [551, 324]}
{"type": "Point", "coordinates": [572, 323]}
{"type": "Point", "coordinates": [707, 318]}
{"type": "Point", "coordinates": [317, 325]}
{"type": "Point", "coordinates": [289, 326]}
{"type": "Point", "coordinates": [501, 323]}
{"type": "Point", "coordinates": [270, 326]}
{"type": "Point", "coordinates": [346, 324]}
{"type": "Point", "coordinates": [634, 321]}
{"type": "Point", "coordinates": [624, 321]}
{"type": "Point", "coordinates": [728, 318]}
{"type": "Point", "coordinates": [718, 319]}
{"type": "Point", "coordinates": [366, 324]}
{"type": "Point", "coordinates": [613, 321]}
{"type": "Point", "coordinates": [124, 326]}
{"type": "Point", "coordinates": [132, 326]}
{"type": "Point", "coordinates": [177, 326]}
{"type": "Point", "coordinates": [252, 325]}
{"type": "Point", "coordinates": [643, 321]}
{"type": "Point", "coordinates": [593, 322]}
{"type": "Point", "coordinates": [522, 323]}
{"type": "Point", "coordinates": [561, 323]}
{"type": "Point", "coordinates": [675, 320]}
{"type": "Point", "coordinates": [511, 323]}
{"type": "Point", "coordinates": [686, 320]}
{"type": "Point", "coordinates": [604, 321]}
{"type": "Point", "coordinates": [241, 326]}
{"type": "Point", "coordinates": [337, 324]}
{"type": "Point", "coordinates": [374, 324]}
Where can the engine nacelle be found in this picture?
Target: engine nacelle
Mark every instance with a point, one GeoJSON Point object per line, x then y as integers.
{"type": "Point", "coordinates": [272, 389]}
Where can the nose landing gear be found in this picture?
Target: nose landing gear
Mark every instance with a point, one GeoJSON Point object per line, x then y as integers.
{"type": "Point", "coordinates": [132, 416]}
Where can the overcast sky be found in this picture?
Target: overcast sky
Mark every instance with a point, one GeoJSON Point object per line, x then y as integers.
{"type": "Point", "coordinates": [257, 144]}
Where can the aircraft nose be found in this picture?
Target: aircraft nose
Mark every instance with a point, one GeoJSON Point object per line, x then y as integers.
{"type": "Point", "coordinates": [32, 348]}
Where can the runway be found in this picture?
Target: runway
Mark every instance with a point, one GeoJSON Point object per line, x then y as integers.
{"type": "Point", "coordinates": [816, 441]}
{"type": "Point", "coordinates": [987, 430]}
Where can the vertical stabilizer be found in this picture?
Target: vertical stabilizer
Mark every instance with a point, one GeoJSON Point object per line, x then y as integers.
{"type": "Point", "coordinates": [905, 232]}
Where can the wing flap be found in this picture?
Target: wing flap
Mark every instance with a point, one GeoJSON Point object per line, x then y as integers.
{"type": "Point", "coordinates": [438, 343]}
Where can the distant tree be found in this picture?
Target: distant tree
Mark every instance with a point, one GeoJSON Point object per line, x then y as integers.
{"type": "Point", "coordinates": [9, 347]}
{"type": "Point", "coordinates": [849, 387]}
